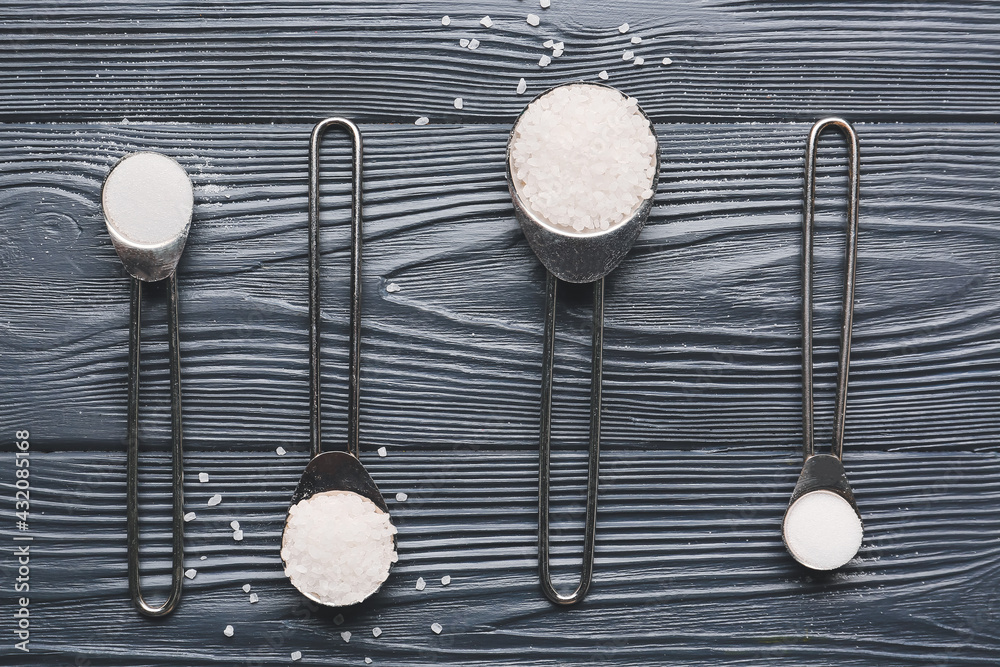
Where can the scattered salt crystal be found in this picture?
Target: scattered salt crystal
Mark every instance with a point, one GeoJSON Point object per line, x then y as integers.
{"type": "Point", "coordinates": [603, 74]}
{"type": "Point", "coordinates": [401, 497]}
{"type": "Point", "coordinates": [487, 22]}
{"type": "Point", "coordinates": [544, 60]}
{"type": "Point", "coordinates": [338, 619]}
{"type": "Point", "coordinates": [280, 451]}
{"type": "Point", "coordinates": [368, 661]}
{"type": "Point", "coordinates": [346, 636]}
{"type": "Point", "coordinates": [215, 500]}
{"type": "Point", "coordinates": [667, 61]}
{"type": "Point", "coordinates": [549, 43]}
{"type": "Point", "coordinates": [204, 558]}
{"type": "Point", "coordinates": [376, 632]}
{"type": "Point", "coordinates": [556, 53]}
{"type": "Point", "coordinates": [423, 120]}
{"type": "Point", "coordinates": [190, 516]}
{"type": "Point", "coordinates": [459, 103]}
{"type": "Point", "coordinates": [381, 451]}
{"type": "Point", "coordinates": [436, 628]}
{"type": "Point", "coordinates": [392, 288]}
{"type": "Point", "coordinates": [203, 477]}
{"type": "Point", "coordinates": [628, 55]}
{"type": "Point", "coordinates": [445, 20]}
{"type": "Point", "coordinates": [533, 19]}
{"type": "Point", "coordinates": [559, 45]}
{"type": "Point", "coordinates": [253, 598]}
{"type": "Point", "coordinates": [581, 155]}
{"type": "Point", "coordinates": [473, 43]}
{"type": "Point", "coordinates": [246, 588]}
{"type": "Point", "coordinates": [235, 525]}
{"type": "Point", "coordinates": [623, 28]}
{"type": "Point", "coordinates": [522, 86]}
{"type": "Point", "coordinates": [421, 584]}
{"type": "Point", "coordinates": [638, 60]}
{"type": "Point", "coordinates": [191, 574]}
{"type": "Point", "coordinates": [228, 631]}
{"type": "Point", "coordinates": [544, 3]}
{"type": "Point", "coordinates": [238, 535]}
{"type": "Point", "coordinates": [636, 39]}
{"type": "Point", "coordinates": [463, 42]}
{"type": "Point", "coordinates": [445, 580]}
{"type": "Point", "coordinates": [338, 562]}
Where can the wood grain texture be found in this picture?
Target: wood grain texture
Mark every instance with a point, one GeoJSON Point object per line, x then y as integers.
{"type": "Point", "coordinates": [690, 540]}
{"type": "Point", "coordinates": [300, 61]}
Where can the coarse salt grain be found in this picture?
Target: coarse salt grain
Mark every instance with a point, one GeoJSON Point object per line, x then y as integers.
{"type": "Point", "coordinates": [636, 39]}
{"type": "Point", "coordinates": [556, 53]}
{"type": "Point", "coordinates": [533, 19]}
{"type": "Point", "coordinates": [423, 120]}
{"type": "Point", "coordinates": [401, 497]}
{"type": "Point", "coordinates": [421, 584]}
{"type": "Point", "coordinates": [603, 74]}
{"type": "Point", "coordinates": [246, 588]}
{"type": "Point", "coordinates": [254, 598]}
{"type": "Point", "coordinates": [238, 535]}
{"type": "Point", "coordinates": [191, 574]}
{"type": "Point", "coordinates": [203, 477]}
{"type": "Point", "coordinates": [445, 20]}
{"type": "Point", "coordinates": [445, 580]}
{"type": "Point", "coordinates": [376, 632]}
{"type": "Point", "coordinates": [628, 55]}
{"type": "Point", "coordinates": [204, 558]}
{"type": "Point", "coordinates": [486, 21]}
{"type": "Point", "coordinates": [545, 4]}
{"type": "Point", "coordinates": [368, 661]}
{"type": "Point", "coordinates": [190, 516]}
{"type": "Point", "coordinates": [459, 103]}
{"type": "Point", "coordinates": [822, 530]}
{"type": "Point", "coordinates": [235, 525]}
{"type": "Point", "coordinates": [392, 288]}
{"type": "Point", "coordinates": [228, 631]}
{"type": "Point", "coordinates": [522, 86]}
{"type": "Point", "coordinates": [548, 43]}
{"type": "Point", "coordinates": [463, 42]}
{"type": "Point", "coordinates": [280, 451]}
{"type": "Point", "coordinates": [382, 451]}
{"type": "Point", "coordinates": [346, 636]}
{"type": "Point", "coordinates": [544, 60]}
{"type": "Point", "coordinates": [215, 500]}
{"type": "Point", "coordinates": [473, 43]}
{"type": "Point", "coordinates": [638, 60]}
{"type": "Point", "coordinates": [337, 547]}
{"type": "Point", "coordinates": [623, 28]}
{"type": "Point", "coordinates": [667, 61]}
{"type": "Point", "coordinates": [436, 628]}
{"type": "Point", "coordinates": [297, 655]}
{"type": "Point", "coordinates": [582, 156]}
{"type": "Point", "coordinates": [559, 45]}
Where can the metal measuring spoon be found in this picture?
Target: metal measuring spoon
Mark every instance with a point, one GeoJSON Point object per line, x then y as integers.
{"type": "Point", "coordinates": [335, 472]}
{"type": "Point", "coordinates": [577, 257]}
{"type": "Point", "coordinates": [148, 201]}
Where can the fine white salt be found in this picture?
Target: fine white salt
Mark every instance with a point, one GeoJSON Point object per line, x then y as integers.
{"type": "Point", "coordinates": [235, 525]}
{"type": "Point", "coordinates": [376, 632]}
{"type": "Point", "coordinates": [382, 451]}
{"type": "Point", "coordinates": [346, 636]}
{"type": "Point", "coordinates": [628, 55]}
{"type": "Point", "coordinates": [436, 628]}
{"type": "Point", "coordinates": [486, 21]}
{"type": "Point", "coordinates": [238, 535]}
{"type": "Point", "coordinates": [445, 20]}
{"type": "Point", "coordinates": [246, 588]}
{"type": "Point", "coordinates": [280, 451]}
{"type": "Point", "coordinates": [522, 86]}
{"type": "Point", "coordinates": [190, 516]}
{"type": "Point", "coordinates": [603, 74]}
{"type": "Point", "coordinates": [191, 574]}
{"type": "Point", "coordinates": [544, 60]}
{"type": "Point", "coordinates": [423, 120]}
{"type": "Point", "coordinates": [459, 103]}
{"type": "Point", "coordinates": [533, 19]}
{"type": "Point", "coordinates": [639, 60]}
{"type": "Point", "coordinates": [623, 28]}
{"type": "Point", "coordinates": [636, 39]}
{"type": "Point", "coordinates": [421, 584]}
{"type": "Point", "coordinates": [203, 477]}
{"type": "Point", "coordinates": [401, 497]}
{"type": "Point", "coordinates": [297, 655]}
{"type": "Point", "coordinates": [473, 43]}
{"type": "Point", "coordinates": [667, 61]}
{"type": "Point", "coordinates": [582, 157]}
{"type": "Point", "coordinates": [253, 598]}
{"type": "Point", "coordinates": [463, 42]}
{"type": "Point", "coordinates": [337, 547]}
{"type": "Point", "coordinates": [822, 530]}
{"type": "Point", "coordinates": [215, 500]}
{"type": "Point", "coordinates": [228, 631]}
{"type": "Point", "coordinates": [545, 4]}
{"type": "Point", "coordinates": [445, 580]}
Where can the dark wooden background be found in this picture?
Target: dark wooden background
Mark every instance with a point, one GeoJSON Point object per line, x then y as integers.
{"type": "Point", "coordinates": [702, 402]}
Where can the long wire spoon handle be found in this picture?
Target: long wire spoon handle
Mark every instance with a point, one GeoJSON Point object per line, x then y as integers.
{"type": "Point", "coordinates": [545, 445]}
{"type": "Point", "coordinates": [177, 551]}
{"type": "Point", "coordinates": [808, 228]}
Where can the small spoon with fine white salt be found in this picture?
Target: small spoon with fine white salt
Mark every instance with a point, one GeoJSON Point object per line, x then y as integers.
{"type": "Point", "coordinates": [581, 200]}
{"type": "Point", "coordinates": [339, 542]}
{"type": "Point", "coordinates": [822, 527]}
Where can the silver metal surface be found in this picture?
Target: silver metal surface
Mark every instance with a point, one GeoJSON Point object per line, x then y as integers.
{"type": "Point", "coordinates": [577, 257]}
{"type": "Point", "coordinates": [335, 470]}
{"type": "Point", "coordinates": [147, 201]}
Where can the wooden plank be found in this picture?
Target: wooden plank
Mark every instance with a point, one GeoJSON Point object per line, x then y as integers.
{"type": "Point", "coordinates": [193, 61]}
{"type": "Point", "coordinates": [702, 323]}
{"type": "Point", "coordinates": [690, 565]}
